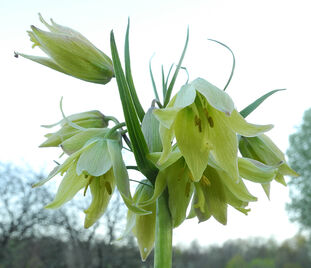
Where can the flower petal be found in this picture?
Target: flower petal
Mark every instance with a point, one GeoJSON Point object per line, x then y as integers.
{"type": "Point", "coordinates": [239, 125]}
{"type": "Point", "coordinates": [121, 177]}
{"type": "Point", "coordinates": [190, 140]}
{"type": "Point", "coordinates": [70, 185]}
{"type": "Point", "coordinates": [100, 197]}
{"type": "Point", "coordinates": [96, 160]}
{"type": "Point", "coordinates": [217, 98]}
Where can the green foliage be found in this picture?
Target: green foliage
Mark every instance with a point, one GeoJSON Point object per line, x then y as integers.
{"type": "Point", "coordinates": [237, 262]}
{"type": "Point", "coordinates": [299, 154]}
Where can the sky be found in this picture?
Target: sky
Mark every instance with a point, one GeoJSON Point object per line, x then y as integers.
{"type": "Point", "coordinates": [270, 39]}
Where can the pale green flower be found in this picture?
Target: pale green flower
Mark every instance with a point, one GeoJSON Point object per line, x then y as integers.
{"type": "Point", "coordinates": [203, 120]}
{"type": "Point", "coordinates": [263, 149]}
{"type": "Point", "coordinates": [94, 160]}
{"type": "Point", "coordinates": [212, 193]}
{"type": "Point", "coordinates": [70, 53]}
{"type": "Point", "coordinates": [73, 125]}
{"type": "Point", "coordinates": [143, 226]}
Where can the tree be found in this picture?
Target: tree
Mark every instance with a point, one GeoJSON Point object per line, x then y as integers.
{"type": "Point", "coordinates": [299, 154]}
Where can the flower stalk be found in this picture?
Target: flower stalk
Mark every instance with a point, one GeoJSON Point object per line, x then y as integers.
{"type": "Point", "coordinates": [163, 248]}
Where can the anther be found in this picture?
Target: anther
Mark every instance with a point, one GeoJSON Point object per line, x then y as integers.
{"type": "Point", "coordinates": [210, 121]}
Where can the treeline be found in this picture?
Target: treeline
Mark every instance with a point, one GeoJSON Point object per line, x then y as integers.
{"type": "Point", "coordinates": [51, 252]}
{"type": "Point", "coordinates": [31, 237]}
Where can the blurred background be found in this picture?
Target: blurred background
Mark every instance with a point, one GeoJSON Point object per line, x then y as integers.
{"type": "Point", "coordinates": [271, 42]}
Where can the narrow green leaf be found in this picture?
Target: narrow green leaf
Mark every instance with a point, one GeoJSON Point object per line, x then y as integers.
{"type": "Point", "coordinates": [170, 88]}
{"type": "Point", "coordinates": [163, 82]}
{"type": "Point", "coordinates": [139, 144]}
{"type": "Point", "coordinates": [233, 63]}
{"type": "Point", "coordinates": [152, 81]}
{"type": "Point", "coordinates": [250, 108]}
{"type": "Point", "coordinates": [129, 78]}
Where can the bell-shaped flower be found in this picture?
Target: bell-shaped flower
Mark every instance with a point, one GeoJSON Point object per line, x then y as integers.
{"type": "Point", "coordinates": [263, 149]}
{"type": "Point", "coordinates": [94, 161]}
{"type": "Point", "coordinates": [203, 120]}
{"type": "Point", "coordinates": [71, 53]}
{"type": "Point", "coordinates": [72, 125]}
{"type": "Point", "coordinates": [143, 226]}
{"type": "Point", "coordinates": [216, 189]}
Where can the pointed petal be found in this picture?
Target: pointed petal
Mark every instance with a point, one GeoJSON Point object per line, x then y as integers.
{"type": "Point", "coordinates": [77, 141]}
{"type": "Point", "coordinates": [266, 188]}
{"type": "Point", "coordinates": [100, 198]}
{"type": "Point", "coordinates": [256, 171]}
{"type": "Point", "coordinates": [96, 160]}
{"type": "Point", "coordinates": [217, 98]}
{"type": "Point", "coordinates": [159, 187]}
{"type": "Point", "coordinates": [121, 176]}
{"type": "Point", "coordinates": [70, 185]}
{"type": "Point", "coordinates": [185, 96]}
{"type": "Point", "coordinates": [144, 229]}
{"type": "Point", "coordinates": [180, 189]}
{"type": "Point", "coordinates": [215, 195]}
{"type": "Point", "coordinates": [239, 125]}
{"type": "Point", "coordinates": [166, 116]}
{"type": "Point", "coordinates": [190, 140]}
{"type": "Point", "coordinates": [224, 143]}
{"type": "Point", "coordinates": [166, 136]}
{"type": "Point", "coordinates": [44, 61]}
{"type": "Point", "coordinates": [172, 158]}
{"type": "Point", "coordinates": [238, 189]}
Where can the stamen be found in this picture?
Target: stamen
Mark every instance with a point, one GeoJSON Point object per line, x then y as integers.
{"type": "Point", "coordinates": [206, 113]}
{"type": "Point", "coordinates": [197, 122]}
{"type": "Point", "coordinates": [87, 185]}
{"type": "Point", "coordinates": [187, 190]}
{"type": "Point", "coordinates": [108, 187]}
{"type": "Point", "coordinates": [210, 121]}
{"type": "Point", "coordinates": [205, 181]}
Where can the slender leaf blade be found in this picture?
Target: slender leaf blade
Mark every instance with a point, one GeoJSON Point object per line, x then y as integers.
{"type": "Point", "coordinates": [250, 108]}
{"type": "Point", "coordinates": [129, 78]}
{"type": "Point", "coordinates": [138, 141]}
{"type": "Point", "coordinates": [170, 88]}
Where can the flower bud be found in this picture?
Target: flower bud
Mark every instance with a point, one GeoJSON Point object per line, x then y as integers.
{"type": "Point", "coordinates": [143, 226]}
{"type": "Point", "coordinates": [262, 148]}
{"type": "Point", "coordinates": [70, 53]}
{"type": "Point", "coordinates": [72, 125]}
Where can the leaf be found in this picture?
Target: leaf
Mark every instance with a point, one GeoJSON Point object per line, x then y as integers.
{"type": "Point", "coordinates": [129, 78]}
{"type": "Point", "coordinates": [170, 88]}
{"type": "Point", "coordinates": [250, 108]}
{"type": "Point", "coordinates": [138, 141]}
{"type": "Point", "coordinates": [233, 63]}
{"type": "Point", "coordinates": [152, 81]}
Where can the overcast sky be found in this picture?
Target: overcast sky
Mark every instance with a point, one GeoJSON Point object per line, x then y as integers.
{"type": "Point", "coordinates": [271, 42]}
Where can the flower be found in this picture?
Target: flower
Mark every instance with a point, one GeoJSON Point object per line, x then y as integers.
{"type": "Point", "coordinates": [70, 53]}
{"type": "Point", "coordinates": [94, 161]}
{"type": "Point", "coordinates": [263, 149]}
{"type": "Point", "coordinates": [87, 122]}
{"type": "Point", "coordinates": [203, 120]}
{"type": "Point", "coordinates": [143, 226]}
{"type": "Point", "coordinates": [212, 194]}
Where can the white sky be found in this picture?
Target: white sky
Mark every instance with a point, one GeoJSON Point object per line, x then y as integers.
{"type": "Point", "coordinates": [271, 41]}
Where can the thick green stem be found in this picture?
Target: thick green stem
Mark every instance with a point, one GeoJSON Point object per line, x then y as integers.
{"type": "Point", "coordinates": [164, 234]}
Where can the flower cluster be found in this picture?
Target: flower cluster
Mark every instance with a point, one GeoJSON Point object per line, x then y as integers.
{"type": "Point", "coordinates": [195, 150]}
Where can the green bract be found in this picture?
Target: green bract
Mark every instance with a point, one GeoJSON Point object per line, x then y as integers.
{"type": "Point", "coordinates": [70, 53]}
